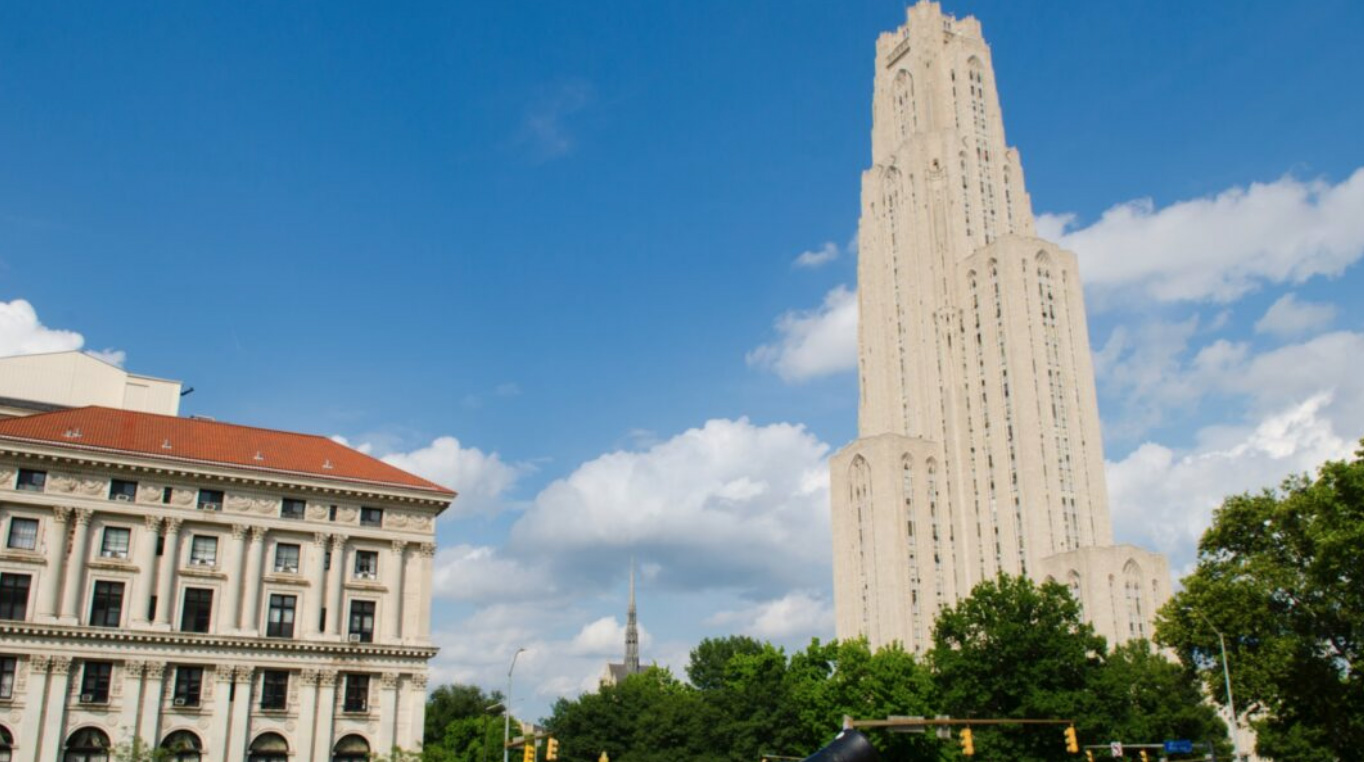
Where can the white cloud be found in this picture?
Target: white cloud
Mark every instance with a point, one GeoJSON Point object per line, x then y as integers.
{"type": "Point", "coordinates": [605, 638]}
{"type": "Point", "coordinates": [813, 343]}
{"type": "Point", "coordinates": [817, 257]}
{"type": "Point", "coordinates": [1218, 248]}
{"type": "Point", "coordinates": [22, 333]}
{"type": "Point", "coordinates": [1289, 317]}
{"type": "Point", "coordinates": [483, 574]}
{"type": "Point", "coordinates": [796, 616]}
{"type": "Point", "coordinates": [1164, 500]}
{"type": "Point", "coordinates": [728, 505]}
{"type": "Point", "coordinates": [481, 479]}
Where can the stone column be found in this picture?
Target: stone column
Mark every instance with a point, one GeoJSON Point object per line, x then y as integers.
{"type": "Point", "coordinates": [238, 738]}
{"type": "Point", "coordinates": [307, 711]}
{"type": "Point", "coordinates": [336, 581]}
{"type": "Point", "coordinates": [251, 609]}
{"type": "Point", "coordinates": [232, 591]}
{"type": "Point", "coordinates": [425, 552]}
{"type": "Point", "coordinates": [141, 594]}
{"type": "Point", "coordinates": [29, 733]}
{"type": "Point", "coordinates": [54, 711]}
{"type": "Point", "coordinates": [75, 572]}
{"type": "Point", "coordinates": [388, 712]}
{"type": "Point", "coordinates": [165, 580]}
{"type": "Point", "coordinates": [54, 547]}
{"type": "Point", "coordinates": [216, 745]}
{"type": "Point", "coordinates": [326, 714]}
{"type": "Point", "coordinates": [131, 700]}
{"type": "Point", "coordinates": [416, 699]}
{"type": "Point", "coordinates": [312, 599]}
{"type": "Point", "coordinates": [149, 720]}
{"type": "Point", "coordinates": [397, 569]}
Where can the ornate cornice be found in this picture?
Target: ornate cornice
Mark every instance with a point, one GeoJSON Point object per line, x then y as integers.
{"type": "Point", "coordinates": [91, 636]}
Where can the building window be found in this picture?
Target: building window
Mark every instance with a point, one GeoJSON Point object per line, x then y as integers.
{"type": "Point", "coordinates": [106, 607]}
{"type": "Point", "coordinates": [122, 490]}
{"type": "Point", "coordinates": [189, 681]}
{"type": "Point", "coordinates": [23, 534]}
{"type": "Point", "coordinates": [362, 621]}
{"type": "Point", "coordinates": [352, 748]}
{"type": "Point", "coordinates": [286, 558]}
{"type": "Point", "coordinates": [366, 564]}
{"type": "Point", "coordinates": [331, 513]}
{"type": "Point", "coordinates": [210, 500]}
{"type": "Point", "coordinates": [87, 745]}
{"type": "Point", "coordinates": [14, 596]}
{"type": "Point", "coordinates": [167, 493]}
{"type": "Point", "coordinates": [371, 517]}
{"type": "Point", "coordinates": [183, 746]}
{"type": "Point", "coordinates": [203, 551]}
{"type": "Point", "coordinates": [8, 667]}
{"type": "Point", "coordinates": [357, 694]}
{"type": "Point", "coordinates": [95, 679]}
{"type": "Point", "coordinates": [197, 611]}
{"type": "Point", "coordinates": [279, 622]}
{"type": "Point", "coordinates": [268, 747]}
{"type": "Point", "coordinates": [292, 509]}
{"type": "Point", "coordinates": [274, 689]}
{"type": "Point", "coordinates": [31, 480]}
{"type": "Point", "coordinates": [115, 542]}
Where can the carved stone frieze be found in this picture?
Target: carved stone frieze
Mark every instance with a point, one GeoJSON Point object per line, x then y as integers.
{"type": "Point", "coordinates": [309, 676]}
{"type": "Point", "coordinates": [153, 523]}
{"type": "Point", "coordinates": [83, 516]}
{"type": "Point", "coordinates": [422, 522]}
{"type": "Point", "coordinates": [155, 670]}
{"type": "Point", "coordinates": [419, 682]}
{"type": "Point", "coordinates": [7, 476]}
{"type": "Point", "coordinates": [258, 534]}
{"type": "Point", "coordinates": [182, 497]}
{"type": "Point", "coordinates": [239, 531]}
{"type": "Point", "coordinates": [39, 663]}
{"type": "Point", "coordinates": [61, 665]}
{"type": "Point", "coordinates": [73, 484]}
{"type": "Point", "coordinates": [395, 519]}
{"type": "Point", "coordinates": [237, 503]}
{"type": "Point", "coordinates": [400, 546]}
{"type": "Point", "coordinates": [134, 668]}
{"type": "Point", "coordinates": [61, 514]}
{"type": "Point", "coordinates": [173, 525]}
{"type": "Point", "coordinates": [149, 493]}
{"type": "Point", "coordinates": [321, 539]}
{"type": "Point", "coordinates": [427, 549]}
{"type": "Point", "coordinates": [347, 514]}
{"type": "Point", "coordinates": [318, 511]}
{"type": "Point", "coordinates": [388, 681]}
{"type": "Point", "coordinates": [326, 678]}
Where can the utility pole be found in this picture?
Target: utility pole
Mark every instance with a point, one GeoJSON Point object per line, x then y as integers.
{"type": "Point", "coordinates": [506, 716]}
{"type": "Point", "coordinates": [1231, 702]}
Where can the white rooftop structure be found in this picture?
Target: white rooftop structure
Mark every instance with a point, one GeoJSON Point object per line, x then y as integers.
{"type": "Point", "coordinates": [41, 382]}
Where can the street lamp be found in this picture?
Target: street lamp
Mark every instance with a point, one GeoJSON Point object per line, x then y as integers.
{"type": "Point", "coordinates": [488, 710]}
{"type": "Point", "coordinates": [1226, 676]}
{"type": "Point", "coordinates": [506, 722]}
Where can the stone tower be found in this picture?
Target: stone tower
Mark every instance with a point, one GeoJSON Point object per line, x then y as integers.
{"type": "Point", "coordinates": [979, 449]}
{"type": "Point", "coordinates": [632, 629]}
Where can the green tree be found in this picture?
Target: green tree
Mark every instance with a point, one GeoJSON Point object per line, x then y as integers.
{"type": "Point", "coordinates": [459, 727]}
{"type": "Point", "coordinates": [1140, 696]}
{"type": "Point", "coordinates": [648, 717]}
{"type": "Point", "coordinates": [1279, 575]}
{"type": "Point", "coordinates": [1013, 649]}
{"type": "Point", "coordinates": [710, 658]}
{"type": "Point", "coordinates": [139, 750]}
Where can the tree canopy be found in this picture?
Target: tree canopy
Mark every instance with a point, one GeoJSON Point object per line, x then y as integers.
{"type": "Point", "coordinates": [1279, 576]}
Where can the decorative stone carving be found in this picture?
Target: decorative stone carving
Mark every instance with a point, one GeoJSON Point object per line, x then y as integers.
{"type": "Point", "coordinates": [326, 678]}
{"type": "Point", "coordinates": [258, 534]}
{"type": "Point", "coordinates": [320, 539]}
{"type": "Point", "coordinates": [399, 546]}
{"type": "Point", "coordinates": [347, 514]}
{"type": "Point", "coordinates": [134, 668]}
{"type": "Point", "coordinates": [244, 674]}
{"type": "Point", "coordinates": [173, 525]}
{"type": "Point", "coordinates": [309, 676]}
{"type": "Point", "coordinates": [75, 485]}
{"type": "Point", "coordinates": [395, 519]}
{"type": "Point", "coordinates": [265, 506]}
{"type": "Point", "coordinates": [427, 549]}
{"type": "Point", "coordinates": [182, 497]}
{"type": "Point", "coordinates": [83, 516]}
{"type": "Point", "coordinates": [61, 665]}
{"type": "Point", "coordinates": [7, 476]}
{"type": "Point", "coordinates": [203, 723]}
{"type": "Point", "coordinates": [237, 503]}
{"type": "Point", "coordinates": [419, 682]}
{"type": "Point", "coordinates": [153, 523]}
{"type": "Point", "coordinates": [149, 493]}
{"type": "Point", "coordinates": [61, 514]}
{"type": "Point", "coordinates": [155, 670]}
{"type": "Point", "coordinates": [338, 544]}
{"type": "Point", "coordinates": [318, 511]}
{"type": "Point", "coordinates": [388, 681]}
{"type": "Point", "coordinates": [422, 522]}
{"type": "Point", "coordinates": [222, 673]}
{"type": "Point", "coordinates": [38, 663]}
{"type": "Point", "coordinates": [238, 531]}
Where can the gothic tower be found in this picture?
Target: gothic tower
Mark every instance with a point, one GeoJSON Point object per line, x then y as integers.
{"type": "Point", "coordinates": [979, 449]}
{"type": "Point", "coordinates": [632, 629]}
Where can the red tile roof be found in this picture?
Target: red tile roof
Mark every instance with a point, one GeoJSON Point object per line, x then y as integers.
{"type": "Point", "coordinates": [202, 441]}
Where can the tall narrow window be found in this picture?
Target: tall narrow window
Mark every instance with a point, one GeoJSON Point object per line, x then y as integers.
{"type": "Point", "coordinates": [274, 689]}
{"type": "Point", "coordinates": [14, 596]}
{"type": "Point", "coordinates": [106, 606]}
{"type": "Point", "coordinates": [23, 534]}
{"type": "Point", "coordinates": [189, 683]}
{"type": "Point", "coordinates": [366, 564]}
{"type": "Point", "coordinates": [9, 667]}
{"type": "Point", "coordinates": [362, 621]}
{"type": "Point", "coordinates": [357, 693]}
{"type": "Point", "coordinates": [95, 679]}
{"type": "Point", "coordinates": [279, 622]}
{"type": "Point", "coordinates": [198, 610]}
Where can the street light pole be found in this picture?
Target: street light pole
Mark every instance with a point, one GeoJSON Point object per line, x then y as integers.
{"type": "Point", "coordinates": [487, 711]}
{"type": "Point", "coordinates": [1231, 702]}
{"type": "Point", "coordinates": [506, 715]}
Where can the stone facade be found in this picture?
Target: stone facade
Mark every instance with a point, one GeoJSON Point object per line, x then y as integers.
{"type": "Point", "coordinates": [979, 449]}
{"type": "Point", "coordinates": [229, 612]}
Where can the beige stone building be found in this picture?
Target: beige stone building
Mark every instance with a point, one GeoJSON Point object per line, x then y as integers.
{"type": "Point", "coordinates": [979, 449]}
{"type": "Point", "coordinates": [227, 592]}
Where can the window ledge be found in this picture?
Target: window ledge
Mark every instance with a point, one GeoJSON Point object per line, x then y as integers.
{"type": "Point", "coordinates": [366, 584]}
{"type": "Point", "coordinates": [209, 572]}
{"type": "Point", "coordinates": [22, 556]}
{"type": "Point", "coordinates": [287, 578]}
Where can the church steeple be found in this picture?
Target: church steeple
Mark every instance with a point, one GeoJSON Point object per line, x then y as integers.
{"type": "Point", "coordinates": [632, 629]}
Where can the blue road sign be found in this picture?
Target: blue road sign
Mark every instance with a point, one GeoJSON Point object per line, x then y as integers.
{"type": "Point", "coordinates": [1178, 747]}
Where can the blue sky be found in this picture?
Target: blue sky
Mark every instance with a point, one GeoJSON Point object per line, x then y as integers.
{"type": "Point", "coordinates": [547, 253]}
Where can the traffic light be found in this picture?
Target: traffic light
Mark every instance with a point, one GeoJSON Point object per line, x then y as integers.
{"type": "Point", "coordinates": [552, 748]}
{"type": "Point", "coordinates": [529, 754]}
{"type": "Point", "coordinates": [1089, 755]}
{"type": "Point", "coordinates": [1143, 755]}
{"type": "Point", "coordinates": [1072, 745]}
{"type": "Point", "coordinates": [968, 748]}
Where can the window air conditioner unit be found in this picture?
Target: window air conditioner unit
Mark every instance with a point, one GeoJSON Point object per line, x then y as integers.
{"type": "Point", "coordinates": [87, 698]}
{"type": "Point", "coordinates": [355, 637]}
{"type": "Point", "coordinates": [181, 702]}
{"type": "Point", "coordinates": [210, 506]}
{"type": "Point", "coordinates": [123, 497]}
{"type": "Point", "coordinates": [289, 569]}
{"type": "Point", "coordinates": [366, 575]}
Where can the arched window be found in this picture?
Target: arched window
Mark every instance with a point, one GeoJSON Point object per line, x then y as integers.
{"type": "Point", "coordinates": [1136, 621]}
{"type": "Point", "coordinates": [183, 746]}
{"type": "Point", "coordinates": [352, 748]}
{"type": "Point", "coordinates": [6, 744]}
{"type": "Point", "coordinates": [269, 747]}
{"type": "Point", "coordinates": [87, 745]}
{"type": "Point", "coordinates": [1073, 585]}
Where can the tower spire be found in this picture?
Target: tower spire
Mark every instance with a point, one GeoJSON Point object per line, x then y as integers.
{"type": "Point", "coordinates": [632, 629]}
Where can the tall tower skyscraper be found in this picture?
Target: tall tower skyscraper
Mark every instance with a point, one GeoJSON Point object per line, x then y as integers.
{"type": "Point", "coordinates": [979, 448]}
{"type": "Point", "coordinates": [632, 629]}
